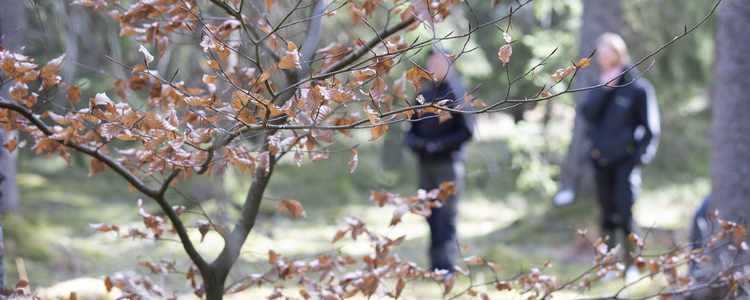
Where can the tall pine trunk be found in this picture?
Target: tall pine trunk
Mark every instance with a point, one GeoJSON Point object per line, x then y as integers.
{"type": "Point", "coordinates": [599, 16]}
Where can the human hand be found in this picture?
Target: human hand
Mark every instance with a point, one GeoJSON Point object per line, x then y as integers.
{"type": "Point", "coordinates": [608, 75]}
{"type": "Point", "coordinates": [416, 144]}
{"type": "Point", "coordinates": [433, 147]}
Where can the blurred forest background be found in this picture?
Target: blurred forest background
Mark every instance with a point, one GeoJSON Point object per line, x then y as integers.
{"type": "Point", "coordinates": [513, 168]}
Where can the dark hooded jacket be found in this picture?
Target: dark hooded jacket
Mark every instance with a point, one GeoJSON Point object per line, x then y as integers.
{"type": "Point", "coordinates": [624, 122]}
{"type": "Point", "coordinates": [434, 141]}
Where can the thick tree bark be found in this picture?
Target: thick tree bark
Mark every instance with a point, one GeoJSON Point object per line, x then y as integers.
{"type": "Point", "coordinates": [599, 16]}
{"type": "Point", "coordinates": [730, 152]}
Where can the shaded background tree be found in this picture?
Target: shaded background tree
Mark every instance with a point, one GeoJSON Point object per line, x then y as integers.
{"type": "Point", "coordinates": [730, 156]}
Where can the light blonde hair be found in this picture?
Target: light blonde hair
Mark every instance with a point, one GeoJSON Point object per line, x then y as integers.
{"type": "Point", "coordinates": [617, 43]}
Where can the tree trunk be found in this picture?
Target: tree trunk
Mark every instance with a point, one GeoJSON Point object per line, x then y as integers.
{"type": "Point", "coordinates": [599, 16]}
{"type": "Point", "coordinates": [730, 146]}
{"type": "Point", "coordinates": [11, 23]}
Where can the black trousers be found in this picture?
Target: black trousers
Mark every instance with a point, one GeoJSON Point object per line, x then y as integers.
{"type": "Point", "coordinates": [442, 221]}
{"type": "Point", "coordinates": [617, 187]}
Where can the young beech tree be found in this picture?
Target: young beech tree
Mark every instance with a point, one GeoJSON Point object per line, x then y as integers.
{"type": "Point", "coordinates": [268, 95]}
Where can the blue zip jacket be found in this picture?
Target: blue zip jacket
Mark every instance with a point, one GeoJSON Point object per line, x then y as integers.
{"type": "Point", "coordinates": [624, 122]}
{"type": "Point", "coordinates": [435, 141]}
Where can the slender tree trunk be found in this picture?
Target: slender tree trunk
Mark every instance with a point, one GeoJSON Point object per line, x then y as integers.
{"type": "Point", "coordinates": [730, 145]}
{"type": "Point", "coordinates": [599, 16]}
{"type": "Point", "coordinates": [11, 23]}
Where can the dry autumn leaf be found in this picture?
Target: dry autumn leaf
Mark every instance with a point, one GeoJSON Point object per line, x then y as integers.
{"type": "Point", "coordinates": [504, 53]}
{"type": "Point", "coordinates": [321, 156]}
{"type": "Point", "coordinates": [49, 72]}
{"type": "Point", "coordinates": [96, 166]}
{"type": "Point", "coordinates": [738, 234]}
{"type": "Point", "coordinates": [584, 62]}
{"type": "Point", "coordinates": [416, 77]}
{"type": "Point", "coordinates": [74, 95]}
{"type": "Point", "coordinates": [339, 235]}
{"type": "Point", "coordinates": [149, 57]}
{"type": "Point", "coordinates": [11, 144]}
{"type": "Point", "coordinates": [203, 227]}
{"type": "Point", "coordinates": [212, 64]}
{"type": "Point", "coordinates": [353, 161]}
{"type": "Point", "coordinates": [209, 79]}
{"type": "Point", "coordinates": [293, 207]}
{"type": "Point", "coordinates": [290, 61]}
{"type": "Point", "coordinates": [473, 260]}
{"type": "Point", "coordinates": [269, 3]}
{"type": "Point", "coordinates": [377, 91]}
{"type": "Point", "coordinates": [450, 279]}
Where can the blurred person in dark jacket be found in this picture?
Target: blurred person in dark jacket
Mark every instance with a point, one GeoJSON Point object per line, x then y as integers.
{"type": "Point", "coordinates": [624, 131]}
{"type": "Point", "coordinates": [439, 146]}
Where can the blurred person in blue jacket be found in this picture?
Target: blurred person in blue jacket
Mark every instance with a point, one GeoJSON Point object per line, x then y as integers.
{"type": "Point", "coordinates": [624, 131]}
{"type": "Point", "coordinates": [439, 146]}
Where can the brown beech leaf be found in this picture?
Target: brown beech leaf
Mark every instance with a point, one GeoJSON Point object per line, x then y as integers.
{"type": "Point", "coordinates": [293, 207]}
{"type": "Point", "coordinates": [584, 62]}
{"type": "Point", "coordinates": [738, 234]}
{"type": "Point", "coordinates": [450, 279]}
{"type": "Point", "coordinates": [400, 287]}
{"type": "Point", "coordinates": [268, 73]}
{"type": "Point", "coordinates": [323, 155]}
{"type": "Point", "coordinates": [473, 260]}
{"type": "Point", "coordinates": [209, 79]}
{"type": "Point", "coordinates": [502, 285]}
{"type": "Point", "coordinates": [377, 131]}
{"type": "Point", "coordinates": [504, 53]}
{"type": "Point", "coordinates": [495, 266]}
{"type": "Point", "coordinates": [101, 227]}
{"type": "Point", "coordinates": [74, 95]}
{"type": "Point", "coordinates": [338, 236]}
{"type": "Point", "coordinates": [378, 90]}
{"type": "Point", "coordinates": [269, 3]}
{"type": "Point", "coordinates": [353, 161]}
{"type": "Point", "coordinates": [416, 77]}
{"type": "Point", "coordinates": [149, 57]}
{"type": "Point", "coordinates": [96, 166]}
{"type": "Point", "coordinates": [162, 43]}
{"type": "Point", "coordinates": [725, 224]}
{"type": "Point", "coordinates": [484, 296]}
{"type": "Point", "coordinates": [362, 75]}
{"type": "Point", "coordinates": [11, 145]}
{"type": "Point", "coordinates": [264, 162]}
{"type": "Point", "coordinates": [108, 284]}
{"type": "Point", "coordinates": [212, 64]}
{"type": "Point", "coordinates": [273, 142]}
{"type": "Point", "coordinates": [298, 154]}
{"type": "Point", "coordinates": [291, 60]}
{"type": "Point", "coordinates": [22, 283]}
{"type": "Point", "coordinates": [203, 227]}
{"type": "Point", "coordinates": [49, 72]}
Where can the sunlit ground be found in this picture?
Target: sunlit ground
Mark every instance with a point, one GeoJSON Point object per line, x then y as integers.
{"type": "Point", "coordinates": [519, 230]}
